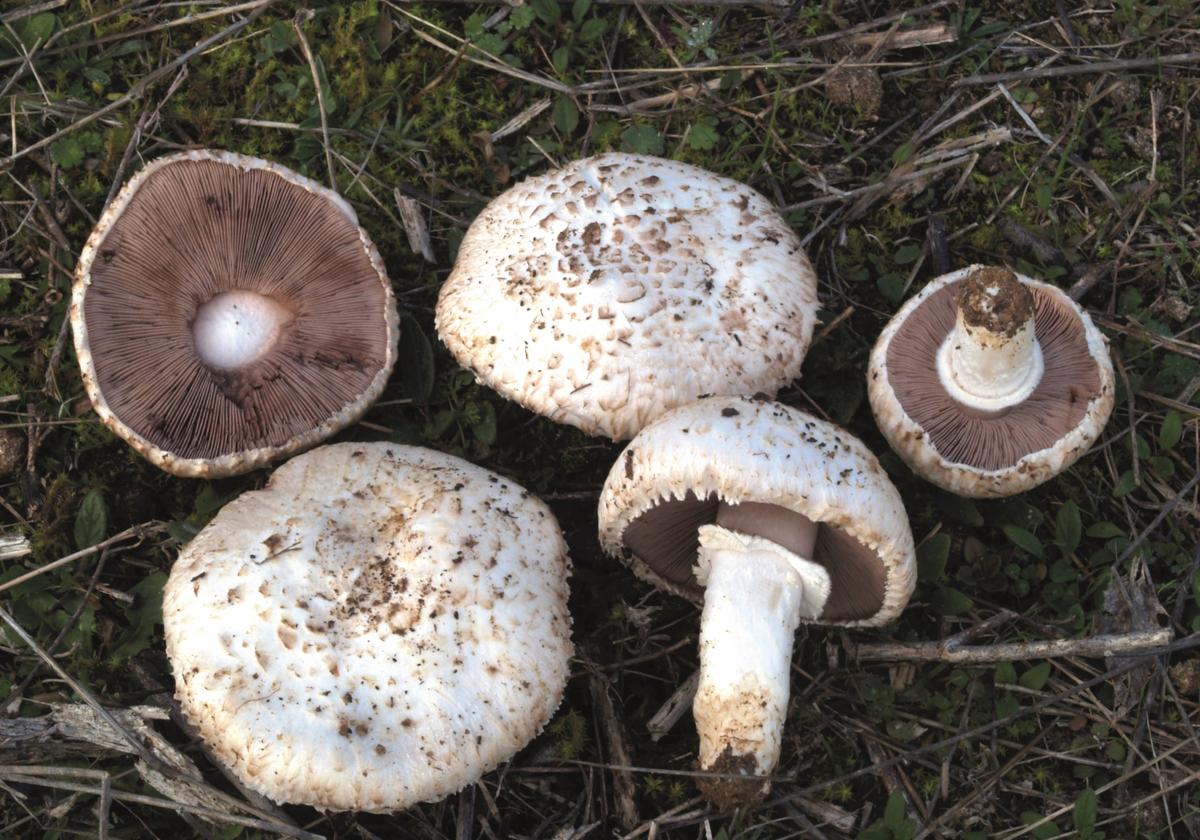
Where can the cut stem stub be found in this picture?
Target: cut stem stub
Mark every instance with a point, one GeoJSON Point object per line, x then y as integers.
{"type": "Point", "coordinates": [991, 359]}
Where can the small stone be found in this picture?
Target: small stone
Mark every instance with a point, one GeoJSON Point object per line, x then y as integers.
{"type": "Point", "coordinates": [855, 87]}
{"type": "Point", "coordinates": [12, 451]}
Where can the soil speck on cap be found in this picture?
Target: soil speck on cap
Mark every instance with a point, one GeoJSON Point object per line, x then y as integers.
{"type": "Point", "coordinates": [995, 299]}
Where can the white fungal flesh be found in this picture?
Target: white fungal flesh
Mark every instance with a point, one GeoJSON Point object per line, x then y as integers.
{"type": "Point", "coordinates": [756, 594]}
{"type": "Point", "coordinates": [236, 328]}
{"type": "Point", "coordinates": [378, 627]}
{"type": "Point", "coordinates": [609, 291]}
{"type": "Point", "coordinates": [989, 370]}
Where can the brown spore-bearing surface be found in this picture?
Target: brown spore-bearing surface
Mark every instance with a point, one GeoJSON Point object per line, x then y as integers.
{"type": "Point", "coordinates": [192, 230]}
{"type": "Point", "coordinates": [1004, 311]}
{"type": "Point", "coordinates": [997, 440]}
{"type": "Point", "coordinates": [665, 539]}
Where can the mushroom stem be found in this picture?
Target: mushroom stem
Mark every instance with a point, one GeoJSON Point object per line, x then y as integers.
{"type": "Point", "coordinates": [757, 592]}
{"type": "Point", "coordinates": [991, 359]}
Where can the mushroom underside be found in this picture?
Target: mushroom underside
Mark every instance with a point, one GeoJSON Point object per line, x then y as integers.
{"type": "Point", "coordinates": [301, 347]}
{"type": "Point", "coordinates": [666, 539]}
{"type": "Point", "coordinates": [999, 440]}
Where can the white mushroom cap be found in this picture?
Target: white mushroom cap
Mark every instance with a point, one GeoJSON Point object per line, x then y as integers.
{"type": "Point", "coordinates": [228, 312]}
{"type": "Point", "coordinates": [669, 480]}
{"type": "Point", "coordinates": [378, 627]}
{"type": "Point", "coordinates": [605, 293]}
{"type": "Point", "coordinates": [983, 453]}
{"type": "Point", "coordinates": [784, 519]}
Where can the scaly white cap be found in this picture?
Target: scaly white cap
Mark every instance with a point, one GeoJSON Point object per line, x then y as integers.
{"type": "Point", "coordinates": [609, 291]}
{"type": "Point", "coordinates": [378, 627]}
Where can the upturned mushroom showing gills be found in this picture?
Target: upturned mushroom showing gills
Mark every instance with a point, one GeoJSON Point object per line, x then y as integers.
{"type": "Point", "coordinates": [228, 312]}
{"type": "Point", "coordinates": [379, 626]}
{"type": "Point", "coordinates": [770, 518]}
{"type": "Point", "coordinates": [605, 293]}
{"type": "Point", "coordinates": [988, 383]}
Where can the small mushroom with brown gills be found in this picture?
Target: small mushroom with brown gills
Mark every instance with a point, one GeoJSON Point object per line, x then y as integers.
{"type": "Point", "coordinates": [609, 291]}
{"type": "Point", "coordinates": [770, 518]}
{"type": "Point", "coordinates": [378, 627]}
{"type": "Point", "coordinates": [988, 383]}
{"type": "Point", "coordinates": [229, 312]}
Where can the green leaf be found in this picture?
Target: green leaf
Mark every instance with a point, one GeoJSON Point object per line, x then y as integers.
{"type": "Point", "coordinates": [416, 360]}
{"type": "Point", "coordinates": [1043, 196]}
{"type": "Point", "coordinates": [1006, 674]}
{"type": "Point", "coordinates": [1105, 531]}
{"type": "Point", "coordinates": [931, 558]}
{"type": "Point", "coordinates": [702, 136]}
{"type": "Point", "coordinates": [147, 607]}
{"type": "Point", "coordinates": [522, 17]}
{"type": "Point", "coordinates": [1035, 678]}
{"type": "Point", "coordinates": [484, 429]}
{"type": "Point", "coordinates": [566, 115]}
{"type": "Point", "coordinates": [1068, 527]}
{"type": "Point", "coordinates": [949, 601]}
{"type": "Point", "coordinates": [91, 522]}
{"type": "Point", "coordinates": [331, 103]}
{"type": "Point", "coordinates": [1024, 540]}
{"type": "Point", "coordinates": [893, 813]}
{"type": "Point", "coordinates": [67, 152]}
{"type": "Point", "coordinates": [1083, 816]}
{"type": "Point", "coordinates": [547, 11]}
{"type": "Point", "coordinates": [1044, 831]}
{"type": "Point", "coordinates": [592, 29]}
{"type": "Point", "coordinates": [38, 28]}
{"type": "Point", "coordinates": [561, 59]}
{"type": "Point", "coordinates": [960, 510]}
{"type": "Point", "coordinates": [1171, 431]}
{"type": "Point", "coordinates": [643, 139]}
{"type": "Point", "coordinates": [902, 154]}
{"type": "Point", "coordinates": [1125, 484]}
{"type": "Point", "coordinates": [891, 286]}
{"type": "Point", "coordinates": [579, 10]}
{"type": "Point", "coordinates": [906, 254]}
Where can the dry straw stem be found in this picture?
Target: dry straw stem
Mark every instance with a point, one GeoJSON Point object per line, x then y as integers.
{"type": "Point", "coordinates": [956, 652]}
{"type": "Point", "coordinates": [141, 86]}
{"type": "Point", "coordinates": [158, 768]}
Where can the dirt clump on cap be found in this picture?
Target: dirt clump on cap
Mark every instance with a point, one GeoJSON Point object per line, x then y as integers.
{"type": "Point", "coordinates": [993, 298]}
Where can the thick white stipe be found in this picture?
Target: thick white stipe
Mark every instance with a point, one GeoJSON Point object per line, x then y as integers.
{"type": "Point", "coordinates": [236, 328]}
{"type": "Point", "coordinates": [987, 370]}
{"type": "Point", "coordinates": [756, 593]}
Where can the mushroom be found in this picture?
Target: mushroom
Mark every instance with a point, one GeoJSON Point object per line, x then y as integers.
{"type": "Point", "coordinates": [378, 627]}
{"type": "Point", "coordinates": [606, 292]}
{"type": "Point", "coordinates": [988, 383]}
{"type": "Point", "coordinates": [228, 312]}
{"type": "Point", "coordinates": [770, 518]}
